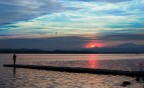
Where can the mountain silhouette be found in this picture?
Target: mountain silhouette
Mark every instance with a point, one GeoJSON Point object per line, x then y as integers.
{"type": "Point", "coordinates": [122, 48]}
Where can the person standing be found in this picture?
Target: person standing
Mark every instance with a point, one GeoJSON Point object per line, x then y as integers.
{"type": "Point", "coordinates": [14, 59]}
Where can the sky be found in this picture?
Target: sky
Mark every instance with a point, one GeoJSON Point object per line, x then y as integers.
{"type": "Point", "coordinates": [70, 24]}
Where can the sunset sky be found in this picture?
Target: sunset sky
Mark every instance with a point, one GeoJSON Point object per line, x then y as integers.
{"type": "Point", "coordinates": [70, 24]}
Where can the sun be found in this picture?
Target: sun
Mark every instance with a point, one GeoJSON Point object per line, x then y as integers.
{"type": "Point", "coordinates": [93, 44]}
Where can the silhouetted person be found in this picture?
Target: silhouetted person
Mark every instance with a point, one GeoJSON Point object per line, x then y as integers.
{"type": "Point", "coordinates": [14, 59]}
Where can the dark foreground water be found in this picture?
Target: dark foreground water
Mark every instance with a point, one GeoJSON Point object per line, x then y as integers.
{"type": "Point", "coordinates": [31, 78]}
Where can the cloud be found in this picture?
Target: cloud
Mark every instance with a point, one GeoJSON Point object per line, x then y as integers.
{"type": "Point", "coordinates": [123, 37]}
{"type": "Point", "coordinates": [15, 10]}
{"type": "Point", "coordinates": [62, 43]}
{"type": "Point", "coordinates": [68, 43]}
{"type": "Point", "coordinates": [71, 17]}
{"type": "Point", "coordinates": [112, 1]}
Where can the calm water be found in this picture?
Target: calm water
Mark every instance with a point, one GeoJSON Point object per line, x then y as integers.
{"type": "Point", "coordinates": [30, 78]}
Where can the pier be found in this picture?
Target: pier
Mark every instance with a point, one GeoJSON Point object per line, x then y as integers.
{"type": "Point", "coordinates": [78, 70]}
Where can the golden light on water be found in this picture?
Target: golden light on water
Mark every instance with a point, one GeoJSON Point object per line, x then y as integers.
{"type": "Point", "coordinates": [92, 61]}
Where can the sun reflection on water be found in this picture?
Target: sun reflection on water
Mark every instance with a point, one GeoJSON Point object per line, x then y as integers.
{"type": "Point", "coordinates": [92, 61]}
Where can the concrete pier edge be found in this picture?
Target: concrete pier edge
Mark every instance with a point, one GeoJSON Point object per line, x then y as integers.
{"type": "Point", "coordinates": [78, 70]}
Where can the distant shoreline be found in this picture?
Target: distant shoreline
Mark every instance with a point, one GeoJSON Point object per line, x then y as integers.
{"type": "Point", "coordinates": [66, 53]}
{"type": "Point", "coordinates": [39, 51]}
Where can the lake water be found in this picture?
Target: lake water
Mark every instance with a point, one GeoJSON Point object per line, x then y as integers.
{"type": "Point", "coordinates": [32, 78]}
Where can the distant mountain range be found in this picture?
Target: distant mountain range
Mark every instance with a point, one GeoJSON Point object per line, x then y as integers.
{"type": "Point", "coordinates": [122, 48]}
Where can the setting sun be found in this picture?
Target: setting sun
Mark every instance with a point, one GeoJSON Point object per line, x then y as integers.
{"type": "Point", "coordinates": [93, 44]}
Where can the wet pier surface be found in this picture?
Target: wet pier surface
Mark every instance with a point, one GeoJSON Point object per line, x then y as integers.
{"type": "Point", "coordinates": [79, 70]}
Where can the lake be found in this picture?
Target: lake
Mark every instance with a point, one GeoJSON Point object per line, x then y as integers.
{"type": "Point", "coordinates": [32, 78]}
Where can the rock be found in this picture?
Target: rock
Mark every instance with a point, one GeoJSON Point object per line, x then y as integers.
{"type": "Point", "coordinates": [126, 83]}
{"type": "Point", "coordinates": [137, 79]}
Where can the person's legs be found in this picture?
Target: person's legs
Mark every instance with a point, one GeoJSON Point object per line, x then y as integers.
{"type": "Point", "coordinates": [14, 62]}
